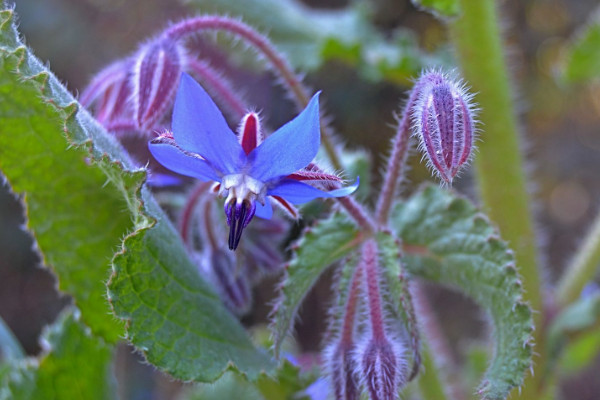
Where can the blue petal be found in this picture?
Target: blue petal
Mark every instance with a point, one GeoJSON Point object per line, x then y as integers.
{"type": "Point", "coordinates": [266, 211]}
{"type": "Point", "coordinates": [177, 161]}
{"type": "Point", "coordinates": [198, 126]}
{"type": "Point", "coordinates": [297, 192]}
{"type": "Point", "coordinates": [290, 148]}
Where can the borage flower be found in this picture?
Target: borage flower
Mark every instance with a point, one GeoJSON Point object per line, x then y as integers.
{"type": "Point", "coordinates": [251, 172]}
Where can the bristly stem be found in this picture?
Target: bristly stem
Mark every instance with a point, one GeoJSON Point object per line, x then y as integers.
{"type": "Point", "coordinates": [397, 161]}
{"type": "Point", "coordinates": [356, 211]}
{"type": "Point", "coordinates": [369, 262]}
{"type": "Point", "coordinates": [218, 86]}
{"type": "Point", "coordinates": [499, 165]}
{"type": "Point", "coordinates": [260, 42]}
{"type": "Point", "coordinates": [185, 220]}
{"type": "Point", "coordinates": [582, 268]}
{"type": "Point", "coordinates": [350, 310]}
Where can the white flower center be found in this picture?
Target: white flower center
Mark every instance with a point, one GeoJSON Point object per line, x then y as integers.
{"type": "Point", "coordinates": [242, 187]}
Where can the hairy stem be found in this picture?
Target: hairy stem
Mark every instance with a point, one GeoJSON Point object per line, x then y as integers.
{"type": "Point", "coordinates": [499, 164]}
{"type": "Point", "coordinates": [259, 42]}
{"type": "Point", "coordinates": [370, 263]}
{"type": "Point", "coordinates": [358, 213]}
{"type": "Point", "coordinates": [582, 268]}
{"type": "Point", "coordinates": [396, 162]}
{"type": "Point", "coordinates": [350, 311]}
{"type": "Point", "coordinates": [185, 220]}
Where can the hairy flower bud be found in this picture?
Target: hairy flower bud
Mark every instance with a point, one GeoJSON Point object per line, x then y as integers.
{"type": "Point", "coordinates": [341, 369]}
{"type": "Point", "coordinates": [382, 368]}
{"type": "Point", "coordinates": [155, 79]}
{"type": "Point", "coordinates": [443, 121]}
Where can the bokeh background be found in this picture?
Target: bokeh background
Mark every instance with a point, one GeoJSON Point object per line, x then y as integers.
{"type": "Point", "coordinates": [560, 126]}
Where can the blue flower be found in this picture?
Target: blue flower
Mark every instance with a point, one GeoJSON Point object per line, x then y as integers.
{"type": "Point", "coordinates": [251, 172]}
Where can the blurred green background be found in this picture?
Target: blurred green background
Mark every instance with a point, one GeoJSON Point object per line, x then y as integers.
{"type": "Point", "coordinates": [560, 126]}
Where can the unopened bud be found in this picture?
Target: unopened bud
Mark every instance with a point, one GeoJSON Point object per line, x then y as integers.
{"type": "Point", "coordinates": [443, 121]}
{"type": "Point", "coordinates": [156, 73]}
{"type": "Point", "coordinates": [341, 369]}
{"type": "Point", "coordinates": [382, 368]}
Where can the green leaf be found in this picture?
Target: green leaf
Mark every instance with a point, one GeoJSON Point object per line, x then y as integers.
{"type": "Point", "coordinates": [288, 383]}
{"type": "Point", "coordinates": [583, 58]}
{"type": "Point", "coordinates": [75, 365]}
{"type": "Point", "coordinates": [174, 317]}
{"type": "Point", "coordinates": [398, 298]}
{"type": "Point", "coordinates": [229, 386]}
{"type": "Point", "coordinates": [322, 245]}
{"type": "Point", "coordinates": [77, 219]}
{"type": "Point", "coordinates": [446, 240]}
{"type": "Point", "coordinates": [311, 37]}
{"type": "Point", "coordinates": [83, 195]}
{"type": "Point", "coordinates": [440, 8]}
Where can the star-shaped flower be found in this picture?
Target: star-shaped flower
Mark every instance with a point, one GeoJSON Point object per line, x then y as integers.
{"type": "Point", "coordinates": [251, 172]}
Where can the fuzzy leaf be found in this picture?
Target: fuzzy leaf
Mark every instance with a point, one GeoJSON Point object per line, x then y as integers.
{"type": "Point", "coordinates": [75, 365]}
{"type": "Point", "coordinates": [320, 246]}
{"type": "Point", "coordinates": [440, 8]}
{"type": "Point", "coordinates": [68, 202]}
{"type": "Point", "coordinates": [583, 58]}
{"type": "Point", "coordinates": [83, 195]}
{"type": "Point", "coordinates": [446, 240]}
{"type": "Point", "coordinates": [399, 299]}
{"type": "Point", "coordinates": [174, 317]}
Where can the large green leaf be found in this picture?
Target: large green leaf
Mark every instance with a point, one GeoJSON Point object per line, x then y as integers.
{"type": "Point", "coordinates": [173, 316]}
{"type": "Point", "coordinates": [310, 37]}
{"type": "Point", "coordinates": [583, 58]}
{"type": "Point", "coordinates": [446, 240]}
{"type": "Point", "coordinates": [83, 194]}
{"type": "Point", "coordinates": [320, 246]}
{"type": "Point", "coordinates": [75, 365]}
{"type": "Point", "coordinates": [78, 221]}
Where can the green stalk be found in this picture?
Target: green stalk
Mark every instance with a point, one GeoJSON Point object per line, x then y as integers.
{"type": "Point", "coordinates": [583, 267]}
{"type": "Point", "coordinates": [499, 164]}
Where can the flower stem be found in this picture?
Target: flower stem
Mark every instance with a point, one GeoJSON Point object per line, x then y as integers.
{"type": "Point", "coordinates": [396, 162]}
{"type": "Point", "coordinates": [582, 268]}
{"type": "Point", "coordinates": [350, 311]}
{"type": "Point", "coordinates": [356, 211]}
{"type": "Point", "coordinates": [185, 220]}
{"type": "Point", "coordinates": [499, 164]}
{"type": "Point", "coordinates": [369, 263]}
{"type": "Point", "coordinates": [260, 42]}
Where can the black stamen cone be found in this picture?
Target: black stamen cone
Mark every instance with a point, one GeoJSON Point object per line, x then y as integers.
{"type": "Point", "coordinates": [238, 217]}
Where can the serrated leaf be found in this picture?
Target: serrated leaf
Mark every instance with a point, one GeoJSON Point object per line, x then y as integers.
{"type": "Point", "coordinates": [583, 57]}
{"type": "Point", "coordinates": [320, 246]}
{"type": "Point", "coordinates": [75, 365]}
{"type": "Point", "coordinates": [440, 8]}
{"type": "Point", "coordinates": [68, 202]}
{"type": "Point", "coordinates": [398, 298]}
{"type": "Point", "coordinates": [310, 37]}
{"type": "Point", "coordinates": [174, 317]}
{"type": "Point", "coordinates": [83, 195]}
{"type": "Point", "coordinates": [446, 240]}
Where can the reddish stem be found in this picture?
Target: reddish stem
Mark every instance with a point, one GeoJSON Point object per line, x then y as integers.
{"type": "Point", "coordinates": [350, 313]}
{"type": "Point", "coordinates": [188, 211]}
{"type": "Point", "coordinates": [397, 160]}
{"type": "Point", "coordinates": [369, 263]}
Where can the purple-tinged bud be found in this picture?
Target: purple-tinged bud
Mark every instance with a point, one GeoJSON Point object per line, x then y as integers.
{"type": "Point", "coordinates": [443, 120]}
{"type": "Point", "coordinates": [231, 282]}
{"type": "Point", "coordinates": [341, 369]}
{"type": "Point", "coordinates": [382, 368]}
{"type": "Point", "coordinates": [156, 73]}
